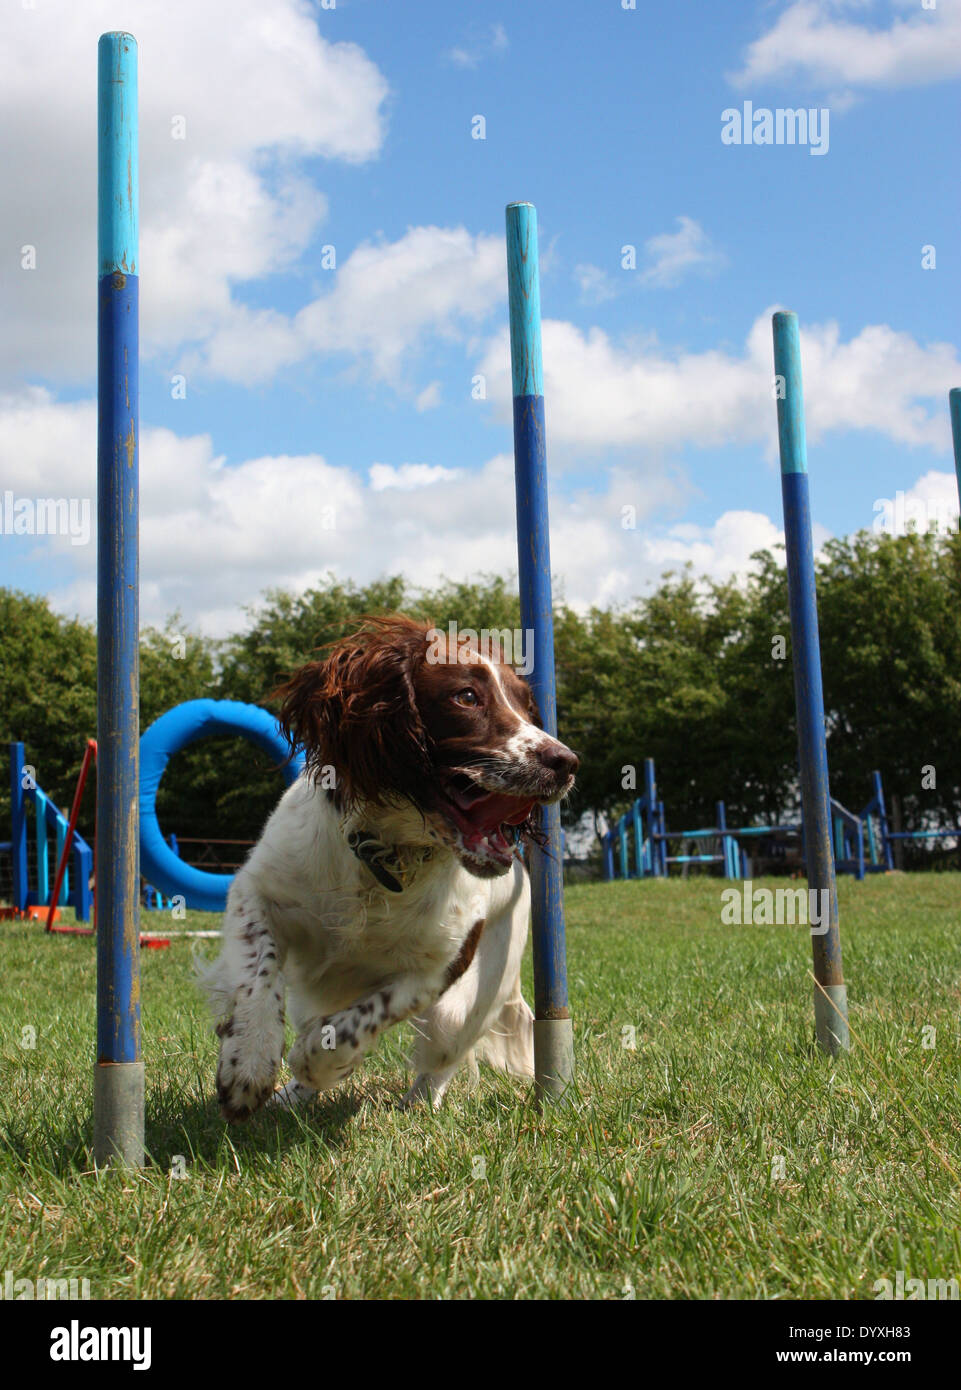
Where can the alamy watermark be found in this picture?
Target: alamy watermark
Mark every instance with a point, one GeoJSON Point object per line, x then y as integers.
{"type": "Point", "coordinates": [14, 1289]}
{"type": "Point", "coordinates": [912, 1290]}
{"type": "Point", "coordinates": [76, 1343]}
{"type": "Point", "coordinates": [906, 514]}
{"type": "Point", "coordinates": [45, 516]}
{"type": "Point", "coordinates": [762, 907]}
{"type": "Point", "coordinates": [512, 646]}
{"type": "Point", "coordinates": [783, 126]}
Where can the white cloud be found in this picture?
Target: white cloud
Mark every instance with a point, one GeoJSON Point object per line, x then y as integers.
{"type": "Point", "coordinates": [258, 87]}
{"type": "Point", "coordinates": [596, 285]}
{"type": "Point", "coordinates": [814, 40]}
{"type": "Point", "coordinates": [676, 254]}
{"type": "Point", "coordinates": [604, 395]}
{"type": "Point", "coordinates": [385, 301]}
{"type": "Point", "coordinates": [213, 537]}
{"type": "Point", "coordinates": [390, 296]}
{"type": "Point", "coordinates": [482, 44]}
{"type": "Point", "coordinates": [409, 475]}
{"type": "Point", "coordinates": [930, 503]}
{"type": "Point", "coordinates": [938, 491]}
{"type": "Point", "coordinates": [428, 398]}
{"type": "Point", "coordinates": [718, 551]}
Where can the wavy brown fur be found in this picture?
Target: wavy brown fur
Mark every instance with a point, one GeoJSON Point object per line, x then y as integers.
{"type": "Point", "coordinates": [356, 711]}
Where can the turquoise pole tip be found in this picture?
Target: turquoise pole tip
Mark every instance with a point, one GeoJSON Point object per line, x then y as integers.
{"type": "Point", "coordinates": [525, 300]}
{"type": "Point", "coordinates": [790, 395]}
{"type": "Point", "coordinates": [118, 187]}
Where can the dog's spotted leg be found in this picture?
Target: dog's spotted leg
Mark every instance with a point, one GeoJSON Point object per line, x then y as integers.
{"type": "Point", "coordinates": [248, 980]}
{"type": "Point", "coordinates": [328, 1049]}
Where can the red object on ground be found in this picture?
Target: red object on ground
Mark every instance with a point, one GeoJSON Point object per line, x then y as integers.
{"type": "Point", "coordinates": [35, 913]}
{"type": "Point", "coordinates": [90, 752]}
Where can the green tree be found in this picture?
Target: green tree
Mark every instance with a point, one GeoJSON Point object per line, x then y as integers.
{"type": "Point", "coordinates": [48, 696]}
{"type": "Point", "coordinates": [891, 651]}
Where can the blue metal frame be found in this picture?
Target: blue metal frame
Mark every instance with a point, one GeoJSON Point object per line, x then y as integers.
{"type": "Point", "coordinates": [48, 816]}
{"type": "Point", "coordinates": [848, 841]}
{"type": "Point", "coordinates": [641, 823]}
{"type": "Point", "coordinates": [18, 839]}
{"type": "Point", "coordinates": [651, 857]}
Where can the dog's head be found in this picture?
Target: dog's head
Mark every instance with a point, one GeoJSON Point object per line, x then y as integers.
{"type": "Point", "coordinates": [402, 715]}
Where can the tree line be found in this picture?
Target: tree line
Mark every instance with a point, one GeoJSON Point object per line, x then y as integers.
{"type": "Point", "coordinates": [696, 674]}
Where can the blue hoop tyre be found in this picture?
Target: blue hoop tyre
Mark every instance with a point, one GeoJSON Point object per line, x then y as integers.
{"type": "Point", "coordinates": [180, 726]}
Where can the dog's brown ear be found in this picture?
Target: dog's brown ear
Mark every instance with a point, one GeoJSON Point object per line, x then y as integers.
{"type": "Point", "coordinates": [356, 713]}
{"type": "Point", "coordinates": [300, 716]}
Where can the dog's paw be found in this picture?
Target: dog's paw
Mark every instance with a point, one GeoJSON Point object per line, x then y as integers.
{"type": "Point", "coordinates": [426, 1089]}
{"type": "Point", "coordinates": [244, 1083]}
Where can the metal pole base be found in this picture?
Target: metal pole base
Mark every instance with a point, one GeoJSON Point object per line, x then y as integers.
{"type": "Point", "coordinates": [553, 1057]}
{"type": "Point", "coordinates": [118, 1114]}
{"type": "Point", "coordinates": [831, 1018]}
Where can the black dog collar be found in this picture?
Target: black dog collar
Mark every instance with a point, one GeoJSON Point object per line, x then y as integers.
{"type": "Point", "coordinates": [378, 858]}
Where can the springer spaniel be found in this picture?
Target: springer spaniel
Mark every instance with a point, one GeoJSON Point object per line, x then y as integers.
{"type": "Point", "coordinates": [386, 884]}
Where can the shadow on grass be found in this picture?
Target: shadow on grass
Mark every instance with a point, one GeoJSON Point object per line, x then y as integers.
{"type": "Point", "coordinates": [182, 1119]}
{"type": "Point", "coordinates": [189, 1126]}
{"type": "Point", "coordinates": [197, 1130]}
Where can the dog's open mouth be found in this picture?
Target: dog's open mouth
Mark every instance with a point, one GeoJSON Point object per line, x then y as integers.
{"type": "Point", "coordinates": [486, 821]}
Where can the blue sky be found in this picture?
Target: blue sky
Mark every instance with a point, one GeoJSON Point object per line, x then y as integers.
{"type": "Point", "coordinates": [328, 422]}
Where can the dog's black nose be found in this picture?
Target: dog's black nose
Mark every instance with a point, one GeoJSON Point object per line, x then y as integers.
{"type": "Point", "coordinates": [559, 759]}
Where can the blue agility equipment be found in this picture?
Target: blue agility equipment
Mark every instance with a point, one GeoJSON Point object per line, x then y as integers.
{"type": "Point", "coordinates": [882, 844]}
{"type": "Point", "coordinates": [183, 725]}
{"type": "Point", "coordinates": [954, 405]}
{"type": "Point", "coordinates": [553, 1036]}
{"type": "Point", "coordinates": [830, 994]}
{"type": "Point", "coordinates": [49, 821]}
{"type": "Point", "coordinates": [638, 826]}
{"type": "Point", "coordinates": [879, 843]}
{"type": "Point", "coordinates": [637, 845]}
{"type": "Point", "coordinates": [119, 1075]}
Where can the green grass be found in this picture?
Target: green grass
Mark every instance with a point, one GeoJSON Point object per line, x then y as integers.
{"type": "Point", "coordinates": [658, 1179]}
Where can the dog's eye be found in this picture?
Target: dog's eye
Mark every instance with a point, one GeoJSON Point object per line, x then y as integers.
{"type": "Point", "coordinates": [467, 696]}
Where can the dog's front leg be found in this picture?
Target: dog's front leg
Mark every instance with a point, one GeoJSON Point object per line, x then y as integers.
{"type": "Point", "coordinates": [247, 990]}
{"type": "Point", "coordinates": [328, 1049]}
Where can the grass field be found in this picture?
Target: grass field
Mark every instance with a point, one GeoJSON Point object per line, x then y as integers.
{"type": "Point", "coordinates": [660, 1181]}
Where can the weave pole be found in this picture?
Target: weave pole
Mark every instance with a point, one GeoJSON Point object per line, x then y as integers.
{"type": "Point", "coordinates": [830, 992]}
{"type": "Point", "coordinates": [954, 401]}
{"type": "Point", "coordinates": [118, 1095]}
{"type": "Point", "coordinates": [553, 1031]}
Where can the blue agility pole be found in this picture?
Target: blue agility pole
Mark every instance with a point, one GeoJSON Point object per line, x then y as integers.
{"type": "Point", "coordinates": [553, 1032]}
{"type": "Point", "coordinates": [954, 401]}
{"type": "Point", "coordinates": [830, 993]}
{"type": "Point", "coordinates": [118, 1108]}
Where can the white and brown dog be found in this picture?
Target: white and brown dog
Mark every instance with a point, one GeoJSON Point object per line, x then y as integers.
{"type": "Point", "coordinates": [386, 884]}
